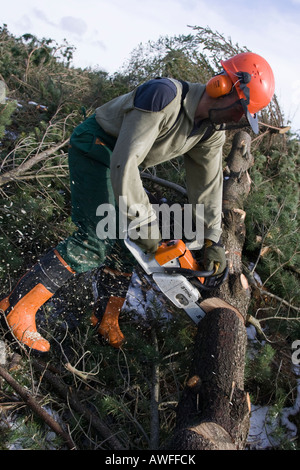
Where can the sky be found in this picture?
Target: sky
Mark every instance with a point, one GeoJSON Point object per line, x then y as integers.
{"type": "Point", "coordinates": [105, 32]}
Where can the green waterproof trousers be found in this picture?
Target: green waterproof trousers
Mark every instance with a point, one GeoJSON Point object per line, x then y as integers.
{"type": "Point", "coordinates": [89, 164]}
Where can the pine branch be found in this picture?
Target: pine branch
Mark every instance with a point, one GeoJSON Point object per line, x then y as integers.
{"type": "Point", "coordinates": [30, 401]}
{"type": "Point", "coordinates": [264, 236]}
{"type": "Point", "coordinates": [25, 166]}
{"type": "Point", "coordinates": [253, 282]}
{"type": "Point", "coordinates": [285, 302]}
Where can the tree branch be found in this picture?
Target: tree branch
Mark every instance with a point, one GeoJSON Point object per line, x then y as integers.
{"type": "Point", "coordinates": [21, 169]}
{"type": "Point", "coordinates": [285, 302]}
{"type": "Point", "coordinates": [36, 408]}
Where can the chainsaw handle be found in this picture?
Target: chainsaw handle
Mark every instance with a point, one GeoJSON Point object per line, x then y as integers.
{"type": "Point", "coordinates": [188, 272]}
{"type": "Point", "coordinates": [212, 283]}
{"type": "Point", "coordinates": [208, 285]}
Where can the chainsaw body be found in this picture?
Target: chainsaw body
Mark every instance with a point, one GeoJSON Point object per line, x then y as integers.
{"type": "Point", "coordinates": [171, 267]}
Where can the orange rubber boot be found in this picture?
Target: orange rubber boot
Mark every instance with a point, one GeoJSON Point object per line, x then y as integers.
{"type": "Point", "coordinates": [110, 289]}
{"type": "Point", "coordinates": [109, 325]}
{"type": "Point", "coordinates": [33, 290]}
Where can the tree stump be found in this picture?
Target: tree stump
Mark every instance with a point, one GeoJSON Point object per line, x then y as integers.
{"type": "Point", "coordinates": [214, 410]}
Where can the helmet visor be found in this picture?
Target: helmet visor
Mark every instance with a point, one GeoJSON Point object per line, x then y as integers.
{"type": "Point", "coordinates": [252, 119]}
{"type": "Point", "coordinates": [243, 89]}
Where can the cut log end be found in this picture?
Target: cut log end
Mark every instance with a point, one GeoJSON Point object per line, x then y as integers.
{"type": "Point", "coordinates": [205, 436]}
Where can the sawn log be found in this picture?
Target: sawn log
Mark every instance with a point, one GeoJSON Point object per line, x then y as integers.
{"type": "Point", "coordinates": [214, 410]}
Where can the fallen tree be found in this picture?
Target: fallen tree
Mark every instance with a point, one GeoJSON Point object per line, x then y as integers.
{"type": "Point", "coordinates": [214, 410]}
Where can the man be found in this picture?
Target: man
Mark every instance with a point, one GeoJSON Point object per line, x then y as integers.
{"type": "Point", "coordinates": [158, 121]}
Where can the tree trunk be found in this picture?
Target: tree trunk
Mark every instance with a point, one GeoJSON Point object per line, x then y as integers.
{"type": "Point", "coordinates": [236, 189]}
{"type": "Point", "coordinates": [214, 410]}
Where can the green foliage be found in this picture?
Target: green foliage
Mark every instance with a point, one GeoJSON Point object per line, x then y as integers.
{"type": "Point", "coordinates": [6, 111]}
{"type": "Point", "coordinates": [193, 57]}
{"type": "Point", "coordinates": [262, 380]}
{"type": "Point", "coordinates": [259, 369]}
{"type": "Point", "coordinates": [273, 219]}
{"type": "Point", "coordinates": [41, 71]}
{"type": "Point", "coordinates": [120, 387]}
{"type": "Point", "coordinates": [32, 221]}
{"type": "Point", "coordinates": [30, 435]}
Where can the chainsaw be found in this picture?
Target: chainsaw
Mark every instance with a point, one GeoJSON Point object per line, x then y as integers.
{"type": "Point", "coordinates": [176, 272]}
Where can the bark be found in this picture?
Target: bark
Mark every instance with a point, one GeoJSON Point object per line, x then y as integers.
{"type": "Point", "coordinates": [236, 189]}
{"type": "Point", "coordinates": [214, 409]}
{"type": "Point", "coordinates": [214, 397]}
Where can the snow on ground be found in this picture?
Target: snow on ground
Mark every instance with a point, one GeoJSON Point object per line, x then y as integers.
{"type": "Point", "coordinates": [292, 430]}
{"type": "Point", "coordinates": [264, 424]}
{"type": "Point", "coordinates": [140, 300]}
{"type": "Point", "coordinates": [261, 430]}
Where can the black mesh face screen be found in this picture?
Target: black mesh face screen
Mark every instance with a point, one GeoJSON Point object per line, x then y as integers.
{"type": "Point", "coordinates": [232, 113]}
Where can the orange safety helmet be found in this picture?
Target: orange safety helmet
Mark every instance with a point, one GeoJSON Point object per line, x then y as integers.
{"type": "Point", "coordinates": [261, 84]}
{"type": "Point", "coordinates": [253, 79]}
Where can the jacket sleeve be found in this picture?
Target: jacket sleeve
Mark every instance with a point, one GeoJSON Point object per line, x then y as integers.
{"type": "Point", "coordinates": [138, 132]}
{"type": "Point", "coordinates": [204, 179]}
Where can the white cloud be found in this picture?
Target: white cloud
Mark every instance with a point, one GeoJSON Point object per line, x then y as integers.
{"type": "Point", "coordinates": [73, 25]}
{"type": "Point", "coordinates": [42, 16]}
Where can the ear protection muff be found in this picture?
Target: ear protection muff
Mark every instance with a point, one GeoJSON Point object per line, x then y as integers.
{"type": "Point", "coordinates": [219, 85]}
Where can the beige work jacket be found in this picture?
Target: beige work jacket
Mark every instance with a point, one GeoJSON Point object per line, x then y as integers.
{"type": "Point", "coordinates": [147, 138]}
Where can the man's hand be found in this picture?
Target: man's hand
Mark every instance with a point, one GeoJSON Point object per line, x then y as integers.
{"type": "Point", "coordinates": [214, 257]}
{"type": "Point", "coordinates": [149, 237]}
